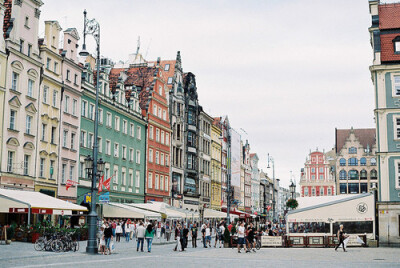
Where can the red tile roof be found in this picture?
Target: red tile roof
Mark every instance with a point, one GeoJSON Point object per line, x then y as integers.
{"type": "Point", "coordinates": [387, 47]}
{"type": "Point", "coordinates": [366, 136]}
{"type": "Point", "coordinates": [389, 16]}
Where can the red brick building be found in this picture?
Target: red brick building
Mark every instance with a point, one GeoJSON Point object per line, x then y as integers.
{"type": "Point", "coordinates": [316, 177]}
{"type": "Point", "coordinates": [151, 86]}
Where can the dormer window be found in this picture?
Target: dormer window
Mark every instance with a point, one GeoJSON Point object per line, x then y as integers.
{"type": "Point", "coordinates": [166, 68]}
{"type": "Point", "coordinates": [396, 44]}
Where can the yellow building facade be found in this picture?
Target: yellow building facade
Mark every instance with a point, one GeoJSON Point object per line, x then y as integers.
{"type": "Point", "coordinates": [216, 166]}
{"type": "Point", "coordinates": [3, 71]}
{"type": "Point", "coordinates": [49, 138]}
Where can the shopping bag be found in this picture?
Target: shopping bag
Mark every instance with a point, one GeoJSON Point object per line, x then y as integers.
{"type": "Point", "coordinates": [345, 242]}
{"type": "Point", "coordinates": [112, 247]}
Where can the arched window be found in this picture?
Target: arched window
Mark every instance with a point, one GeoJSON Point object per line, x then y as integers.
{"type": "Point", "coordinates": [342, 175]}
{"type": "Point", "coordinates": [353, 161]}
{"type": "Point", "coordinates": [342, 161]}
{"type": "Point", "coordinates": [353, 175]}
{"type": "Point", "coordinates": [373, 161]}
{"type": "Point", "coordinates": [363, 161]}
{"type": "Point", "coordinates": [352, 150]}
{"type": "Point", "coordinates": [363, 174]}
{"type": "Point", "coordinates": [374, 174]}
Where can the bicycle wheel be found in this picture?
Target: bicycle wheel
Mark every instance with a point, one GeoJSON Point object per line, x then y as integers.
{"type": "Point", "coordinates": [39, 244]}
{"type": "Point", "coordinates": [258, 245]}
{"type": "Point", "coordinates": [57, 246]}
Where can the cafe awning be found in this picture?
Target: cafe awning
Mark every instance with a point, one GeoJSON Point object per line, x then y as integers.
{"type": "Point", "coordinates": [160, 207]}
{"type": "Point", "coordinates": [116, 210]}
{"type": "Point", "coordinates": [16, 201]}
{"type": "Point", "coordinates": [213, 214]}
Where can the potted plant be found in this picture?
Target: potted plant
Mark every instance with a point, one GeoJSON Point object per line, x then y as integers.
{"type": "Point", "coordinates": [227, 238]}
{"type": "Point", "coordinates": [10, 234]}
{"type": "Point", "coordinates": [292, 203]}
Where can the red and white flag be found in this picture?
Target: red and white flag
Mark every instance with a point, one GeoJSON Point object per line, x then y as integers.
{"type": "Point", "coordinates": [268, 208]}
{"type": "Point", "coordinates": [70, 183]}
{"type": "Point", "coordinates": [101, 184]}
{"type": "Point", "coordinates": [107, 183]}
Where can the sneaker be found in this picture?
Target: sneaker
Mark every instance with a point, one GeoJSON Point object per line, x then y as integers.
{"type": "Point", "coordinates": [137, 249]}
{"type": "Point", "coordinates": [254, 250]}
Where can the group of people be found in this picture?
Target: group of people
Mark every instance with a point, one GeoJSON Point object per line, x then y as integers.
{"type": "Point", "coordinates": [129, 229]}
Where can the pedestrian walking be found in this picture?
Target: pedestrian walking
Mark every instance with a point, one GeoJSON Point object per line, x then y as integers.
{"type": "Point", "coordinates": [162, 230]}
{"type": "Point", "coordinates": [203, 234]}
{"type": "Point", "coordinates": [158, 230]}
{"type": "Point", "coordinates": [133, 230]}
{"type": "Point", "coordinates": [108, 235]}
{"type": "Point", "coordinates": [149, 235]}
{"type": "Point", "coordinates": [168, 231]}
{"type": "Point", "coordinates": [241, 237]}
{"type": "Point", "coordinates": [341, 237]}
{"type": "Point", "coordinates": [118, 231]}
{"type": "Point", "coordinates": [127, 228]}
{"type": "Point", "coordinates": [220, 235]}
{"type": "Point", "coordinates": [140, 233]}
{"type": "Point", "coordinates": [114, 226]}
{"type": "Point", "coordinates": [193, 231]}
{"type": "Point", "coordinates": [178, 238]}
{"type": "Point", "coordinates": [185, 236]}
{"type": "Point", "coordinates": [208, 235]}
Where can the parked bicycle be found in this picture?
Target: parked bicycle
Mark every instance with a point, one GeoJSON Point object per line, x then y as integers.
{"type": "Point", "coordinates": [57, 242]}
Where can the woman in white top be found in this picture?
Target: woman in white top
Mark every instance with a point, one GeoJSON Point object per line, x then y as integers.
{"type": "Point", "coordinates": [133, 229]}
{"type": "Point", "coordinates": [118, 231]}
{"type": "Point", "coordinates": [127, 230]}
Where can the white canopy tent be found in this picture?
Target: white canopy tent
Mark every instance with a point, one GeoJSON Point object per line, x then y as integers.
{"type": "Point", "coordinates": [116, 210]}
{"type": "Point", "coordinates": [162, 208]}
{"type": "Point", "coordinates": [214, 214]}
{"type": "Point", "coordinates": [16, 201]}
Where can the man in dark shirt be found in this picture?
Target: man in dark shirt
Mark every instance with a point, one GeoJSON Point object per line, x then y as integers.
{"type": "Point", "coordinates": [250, 237]}
{"type": "Point", "coordinates": [193, 230]}
{"type": "Point", "coordinates": [185, 234]}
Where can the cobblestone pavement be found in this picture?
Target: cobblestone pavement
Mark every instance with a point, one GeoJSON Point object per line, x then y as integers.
{"type": "Point", "coordinates": [23, 255]}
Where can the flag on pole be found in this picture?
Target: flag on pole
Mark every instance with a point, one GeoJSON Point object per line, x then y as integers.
{"type": "Point", "coordinates": [101, 184]}
{"type": "Point", "coordinates": [107, 183]}
{"type": "Point", "coordinates": [268, 208]}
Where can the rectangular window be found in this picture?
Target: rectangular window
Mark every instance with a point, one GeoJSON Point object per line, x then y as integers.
{"type": "Point", "coordinates": [151, 132]}
{"type": "Point", "coordinates": [108, 119]}
{"type": "Point", "coordinates": [21, 46]}
{"type": "Point", "coordinates": [13, 115]}
{"type": "Point", "coordinates": [90, 140]}
{"type": "Point", "coordinates": [71, 172]}
{"type": "Point", "coordinates": [131, 154]}
{"type": "Point", "coordinates": [162, 159]}
{"type": "Point", "coordinates": [41, 168]}
{"type": "Point", "coordinates": [164, 115]}
{"type": "Point", "coordinates": [124, 152]}
{"type": "Point", "coordinates": [63, 172]}
{"type": "Point", "coordinates": [155, 109]}
{"type": "Point", "coordinates": [116, 123]}
{"type": "Point", "coordinates": [48, 63]}
{"type": "Point", "coordinates": [108, 147]}
{"type": "Point", "coordinates": [55, 67]}
{"type": "Point", "coordinates": [100, 144]}
{"type": "Point", "coordinates": [115, 178]}
{"type": "Point", "coordinates": [130, 179]}
{"type": "Point", "coordinates": [116, 149]}
{"type": "Point", "coordinates": [76, 79]}
{"type": "Point", "coordinates": [167, 139]}
{"type": "Point", "coordinates": [26, 165]}
{"type": "Point", "coordinates": [53, 135]}
{"type": "Point", "coordinates": [398, 174]}
{"type": "Point", "coordinates": [159, 112]}
{"type": "Point", "coordinates": [123, 174]}
{"type": "Point", "coordinates": [151, 155]}
{"type": "Point", "coordinates": [398, 128]}
{"type": "Point", "coordinates": [83, 139]}
{"type": "Point", "coordinates": [150, 180]}
{"type": "Point", "coordinates": [29, 50]}
{"type": "Point", "coordinates": [45, 94]}
{"type": "Point", "coordinates": [166, 160]}
{"type": "Point", "coordinates": [157, 135]}
{"type": "Point", "coordinates": [397, 84]}
{"type": "Point", "coordinates": [137, 181]}
{"type": "Point", "coordinates": [68, 75]}
{"type": "Point", "coordinates": [137, 157]}
{"type": "Point", "coordinates": [55, 94]}
{"type": "Point", "coordinates": [65, 137]}
{"type": "Point", "coordinates": [139, 133]}
{"type": "Point", "coordinates": [157, 158]}
{"type": "Point", "coordinates": [73, 141]}
{"type": "Point", "coordinates": [10, 161]}
{"type": "Point", "coordinates": [43, 132]}
{"type": "Point", "coordinates": [14, 81]}
{"type": "Point", "coordinates": [28, 124]}
{"type": "Point", "coordinates": [91, 111]}
{"type": "Point", "coordinates": [124, 126]}
{"type": "Point", "coordinates": [84, 106]}
{"type": "Point", "coordinates": [52, 162]}
{"type": "Point", "coordinates": [132, 130]}
{"type": "Point", "coordinates": [66, 104]}
{"type": "Point", "coordinates": [161, 182]}
{"type": "Point", "coordinates": [166, 184]}
{"type": "Point", "coordinates": [30, 88]}
{"type": "Point", "coordinates": [157, 182]}
{"type": "Point", "coordinates": [74, 105]}
{"type": "Point", "coordinates": [162, 137]}
{"type": "Point", "coordinates": [169, 80]}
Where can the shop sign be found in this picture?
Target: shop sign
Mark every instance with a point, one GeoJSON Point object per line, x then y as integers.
{"type": "Point", "coordinates": [62, 212]}
{"type": "Point", "coordinates": [42, 211]}
{"type": "Point", "coordinates": [104, 198]}
{"type": "Point", "coordinates": [18, 210]}
{"type": "Point", "coordinates": [271, 241]}
{"type": "Point", "coordinates": [190, 202]}
{"type": "Point", "coordinates": [87, 198]}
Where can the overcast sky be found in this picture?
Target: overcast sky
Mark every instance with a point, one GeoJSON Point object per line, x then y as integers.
{"type": "Point", "coordinates": [287, 72]}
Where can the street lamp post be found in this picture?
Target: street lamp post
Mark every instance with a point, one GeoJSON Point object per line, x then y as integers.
{"type": "Point", "coordinates": [92, 27]}
{"type": "Point", "coordinates": [292, 188]}
{"type": "Point", "coordinates": [228, 199]}
{"type": "Point", "coordinates": [273, 186]}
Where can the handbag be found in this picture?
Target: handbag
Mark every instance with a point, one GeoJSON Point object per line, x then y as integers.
{"type": "Point", "coordinates": [112, 246]}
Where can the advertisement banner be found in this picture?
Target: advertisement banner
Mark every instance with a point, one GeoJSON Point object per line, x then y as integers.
{"type": "Point", "coordinates": [235, 158]}
{"type": "Point", "coordinates": [271, 241]}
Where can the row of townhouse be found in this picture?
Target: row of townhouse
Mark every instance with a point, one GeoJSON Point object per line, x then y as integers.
{"type": "Point", "coordinates": [156, 140]}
